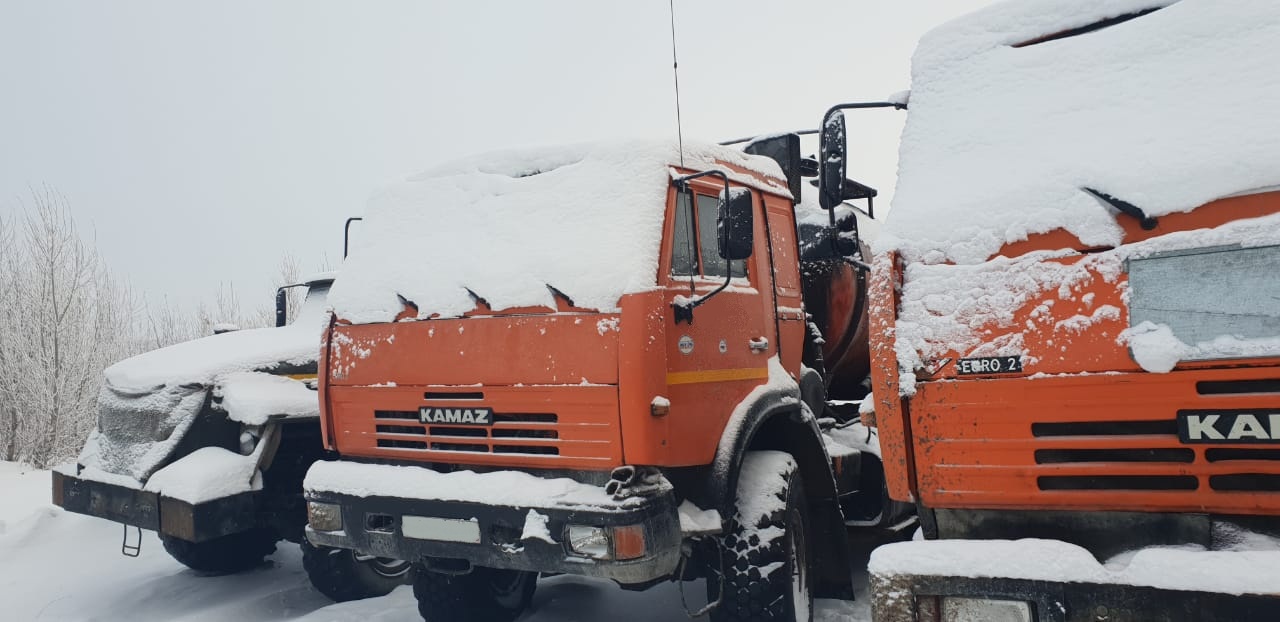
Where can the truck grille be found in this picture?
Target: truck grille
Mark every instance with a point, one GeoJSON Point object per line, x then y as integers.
{"type": "Point", "coordinates": [501, 438]}
{"type": "Point", "coordinates": [1106, 442]}
{"type": "Point", "coordinates": [1162, 432]}
{"type": "Point", "coordinates": [556, 426]}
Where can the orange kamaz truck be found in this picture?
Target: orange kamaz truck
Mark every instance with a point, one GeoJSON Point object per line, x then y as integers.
{"type": "Point", "coordinates": [1075, 313]}
{"type": "Point", "coordinates": [606, 360]}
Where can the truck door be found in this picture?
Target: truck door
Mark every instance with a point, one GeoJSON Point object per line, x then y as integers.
{"type": "Point", "coordinates": [715, 361]}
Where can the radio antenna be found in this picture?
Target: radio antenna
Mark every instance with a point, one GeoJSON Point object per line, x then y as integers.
{"type": "Point", "coordinates": [675, 73]}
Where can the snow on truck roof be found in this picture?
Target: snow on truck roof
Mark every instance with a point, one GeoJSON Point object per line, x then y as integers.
{"type": "Point", "coordinates": [509, 226]}
{"type": "Point", "coordinates": [1167, 111]}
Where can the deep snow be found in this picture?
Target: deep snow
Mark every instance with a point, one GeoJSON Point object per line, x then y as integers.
{"type": "Point", "coordinates": [59, 566]}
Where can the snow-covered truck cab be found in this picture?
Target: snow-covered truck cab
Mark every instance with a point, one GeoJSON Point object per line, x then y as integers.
{"type": "Point", "coordinates": [606, 335]}
{"type": "Point", "coordinates": [1077, 350]}
{"type": "Point", "coordinates": [206, 443]}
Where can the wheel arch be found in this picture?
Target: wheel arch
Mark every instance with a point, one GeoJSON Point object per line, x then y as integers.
{"type": "Point", "coordinates": [777, 420]}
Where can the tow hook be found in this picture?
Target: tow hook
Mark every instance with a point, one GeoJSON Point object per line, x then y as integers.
{"type": "Point", "coordinates": [131, 550]}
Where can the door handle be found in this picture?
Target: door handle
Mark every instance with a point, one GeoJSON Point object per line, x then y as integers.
{"type": "Point", "coordinates": [759, 344]}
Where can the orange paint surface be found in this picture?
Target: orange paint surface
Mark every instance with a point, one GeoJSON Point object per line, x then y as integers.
{"type": "Point", "coordinates": [571, 388]}
{"type": "Point", "coordinates": [988, 443]}
{"type": "Point", "coordinates": [982, 442]}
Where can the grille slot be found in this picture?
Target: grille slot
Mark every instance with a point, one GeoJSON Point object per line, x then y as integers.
{"type": "Point", "coordinates": [1117, 482]}
{"type": "Point", "coordinates": [1238, 387]}
{"type": "Point", "coordinates": [525, 418]}
{"type": "Point", "coordinates": [401, 429]}
{"type": "Point", "coordinates": [1246, 482]}
{"type": "Point", "coordinates": [395, 414]}
{"type": "Point", "coordinates": [467, 432]}
{"type": "Point", "coordinates": [1219, 454]}
{"type": "Point", "coordinates": [501, 433]}
{"type": "Point", "coordinates": [1061, 456]}
{"type": "Point", "coordinates": [461, 395]}
{"type": "Point", "coordinates": [544, 450]}
{"type": "Point", "coordinates": [472, 447]}
{"type": "Point", "coordinates": [395, 443]}
{"type": "Point", "coordinates": [1105, 428]}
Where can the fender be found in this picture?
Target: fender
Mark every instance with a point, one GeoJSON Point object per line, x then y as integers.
{"type": "Point", "coordinates": [773, 421]}
{"type": "Point", "coordinates": [778, 420]}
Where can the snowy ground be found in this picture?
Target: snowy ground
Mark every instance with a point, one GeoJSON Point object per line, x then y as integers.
{"type": "Point", "coordinates": [56, 565]}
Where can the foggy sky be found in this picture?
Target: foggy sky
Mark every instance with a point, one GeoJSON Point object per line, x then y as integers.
{"type": "Point", "coordinates": [199, 141]}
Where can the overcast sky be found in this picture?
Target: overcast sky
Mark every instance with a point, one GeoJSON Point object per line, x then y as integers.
{"type": "Point", "coordinates": [202, 140]}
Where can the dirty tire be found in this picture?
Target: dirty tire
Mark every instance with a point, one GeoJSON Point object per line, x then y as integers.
{"type": "Point", "coordinates": [223, 555]}
{"type": "Point", "coordinates": [483, 595]}
{"type": "Point", "coordinates": [340, 575]}
{"type": "Point", "coordinates": [766, 572]}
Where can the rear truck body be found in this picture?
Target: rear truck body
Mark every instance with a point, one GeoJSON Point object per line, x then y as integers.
{"type": "Point", "coordinates": [1086, 423]}
{"type": "Point", "coordinates": [612, 442]}
{"type": "Point", "coordinates": [207, 442]}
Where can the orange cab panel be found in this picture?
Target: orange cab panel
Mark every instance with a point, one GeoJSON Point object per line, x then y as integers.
{"type": "Point", "coordinates": [552, 349]}
{"type": "Point", "coordinates": [1093, 442]}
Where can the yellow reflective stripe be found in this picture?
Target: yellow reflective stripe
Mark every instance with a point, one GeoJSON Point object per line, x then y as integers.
{"type": "Point", "coordinates": [717, 375]}
{"type": "Point", "coordinates": [301, 376]}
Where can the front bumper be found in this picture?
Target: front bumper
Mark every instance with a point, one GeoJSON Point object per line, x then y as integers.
{"type": "Point", "coordinates": [913, 598]}
{"type": "Point", "coordinates": [148, 510]}
{"type": "Point", "coordinates": [374, 526]}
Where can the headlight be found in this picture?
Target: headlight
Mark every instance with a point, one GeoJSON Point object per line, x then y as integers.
{"type": "Point", "coordinates": [324, 516]}
{"type": "Point", "coordinates": [958, 609]}
{"type": "Point", "coordinates": [248, 442]}
{"type": "Point", "coordinates": [588, 541]}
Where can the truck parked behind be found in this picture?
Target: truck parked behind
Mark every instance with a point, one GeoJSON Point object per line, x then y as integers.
{"type": "Point", "coordinates": [206, 443]}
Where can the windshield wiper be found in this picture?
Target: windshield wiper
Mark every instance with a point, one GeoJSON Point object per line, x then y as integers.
{"type": "Point", "coordinates": [1147, 222]}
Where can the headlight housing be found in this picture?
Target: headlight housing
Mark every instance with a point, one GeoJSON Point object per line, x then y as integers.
{"type": "Point", "coordinates": [969, 609]}
{"type": "Point", "coordinates": [588, 541]}
{"type": "Point", "coordinates": [324, 516]}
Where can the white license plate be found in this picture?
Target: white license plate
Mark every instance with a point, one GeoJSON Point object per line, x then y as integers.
{"type": "Point", "coordinates": [441, 529]}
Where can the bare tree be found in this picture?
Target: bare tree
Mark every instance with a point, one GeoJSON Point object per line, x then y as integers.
{"type": "Point", "coordinates": [66, 319]}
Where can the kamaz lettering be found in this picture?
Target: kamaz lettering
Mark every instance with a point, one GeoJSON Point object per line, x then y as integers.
{"type": "Point", "coordinates": [1228, 426]}
{"type": "Point", "coordinates": [461, 416]}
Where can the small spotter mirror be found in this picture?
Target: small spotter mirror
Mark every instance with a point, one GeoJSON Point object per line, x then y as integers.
{"type": "Point", "coordinates": [735, 225]}
{"type": "Point", "coordinates": [831, 161]}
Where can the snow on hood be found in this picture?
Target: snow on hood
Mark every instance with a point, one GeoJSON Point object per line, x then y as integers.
{"type": "Point", "coordinates": [253, 398]}
{"type": "Point", "coordinates": [509, 226]}
{"type": "Point", "coordinates": [202, 360]}
{"type": "Point", "coordinates": [1167, 111]}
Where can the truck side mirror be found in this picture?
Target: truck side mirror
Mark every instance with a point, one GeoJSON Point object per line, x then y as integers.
{"type": "Point", "coordinates": [282, 307]}
{"type": "Point", "coordinates": [735, 225]}
{"type": "Point", "coordinates": [831, 161]}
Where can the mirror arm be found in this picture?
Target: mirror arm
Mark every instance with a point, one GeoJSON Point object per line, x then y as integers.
{"type": "Point", "coordinates": [346, 234]}
{"type": "Point", "coordinates": [859, 106]}
{"type": "Point", "coordinates": [282, 303]}
{"type": "Point", "coordinates": [684, 311]}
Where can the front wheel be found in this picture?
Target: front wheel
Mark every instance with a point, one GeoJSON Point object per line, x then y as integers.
{"type": "Point", "coordinates": [223, 555]}
{"type": "Point", "coordinates": [345, 575]}
{"type": "Point", "coordinates": [765, 551]}
{"type": "Point", "coordinates": [483, 595]}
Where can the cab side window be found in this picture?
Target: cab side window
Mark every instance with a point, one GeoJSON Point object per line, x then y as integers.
{"type": "Point", "coordinates": [694, 251]}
